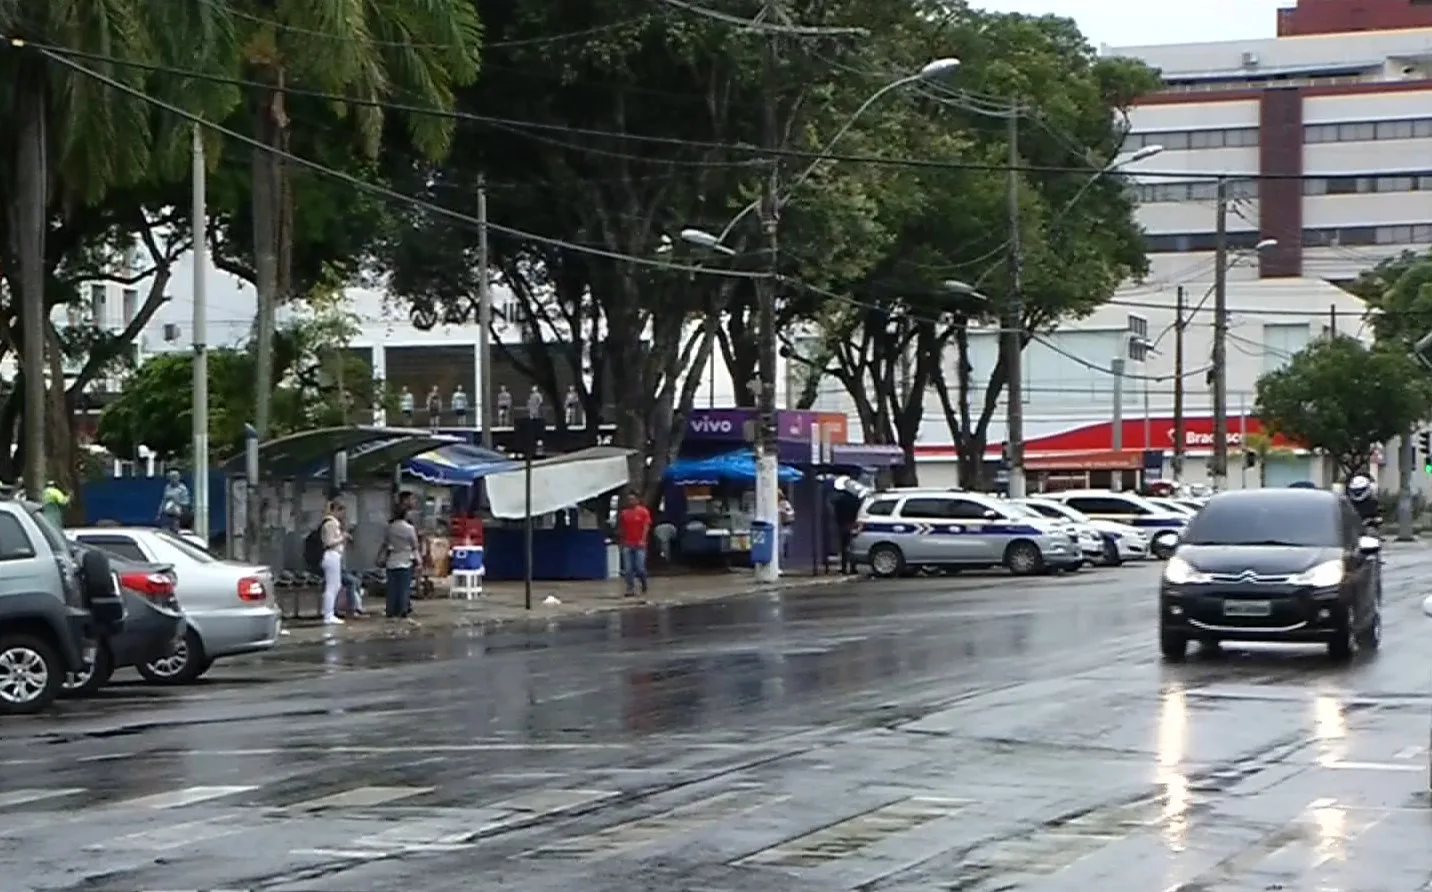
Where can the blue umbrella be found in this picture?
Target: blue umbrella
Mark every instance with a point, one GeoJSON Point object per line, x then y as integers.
{"type": "Point", "coordinates": [457, 464]}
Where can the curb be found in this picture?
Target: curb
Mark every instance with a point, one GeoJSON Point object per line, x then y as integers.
{"type": "Point", "coordinates": [535, 622]}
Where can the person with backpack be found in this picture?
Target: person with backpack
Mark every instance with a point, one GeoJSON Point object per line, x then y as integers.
{"type": "Point", "coordinates": [323, 550]}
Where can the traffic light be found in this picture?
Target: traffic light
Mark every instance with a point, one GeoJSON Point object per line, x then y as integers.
{"type": "Point", "coordinates": [1424, 449]}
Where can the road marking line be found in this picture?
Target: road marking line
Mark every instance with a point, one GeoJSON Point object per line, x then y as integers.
{"type": "Point", "coordinates": [177, 798]}
{"type": "Point", "coordinates": [673, 822]}
{"type": "Point", "coordinates": [1373, 766]}
{"type": "Point", "coordinates": [1410, 752]}
{"type": "Point", "coordinates": [361, 797]}
{"type": "Point", "coordinates": [493, 747]}
{"type": "Point", "coordinates": [171, 837]}
{"type": "Point", "coordinates": [856, 833]}
{"type": "Point", "coordinates": [25, 797]}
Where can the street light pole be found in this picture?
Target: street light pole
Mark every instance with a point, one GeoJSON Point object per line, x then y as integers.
{"type": "Point", "coordinates": [1013, 334]}
{"type": "Point", "coordinates": [484, 317]}
{"type": "Point", "coordinates": [1220, 340]}
{"type": "Point", "coordinates": [200, 214]}
{"type": "Point", "coordinates": [767, 465]}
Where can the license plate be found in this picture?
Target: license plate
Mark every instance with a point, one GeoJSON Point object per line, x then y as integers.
{"type": "Point", "coordinates": [1247, 608]}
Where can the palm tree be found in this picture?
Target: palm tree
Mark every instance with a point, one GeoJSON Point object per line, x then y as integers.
{"type": "Point", "coordinates": [71, 139]}
{"type": "Point", "coordinates": [1261, 445]}
{"type": "Point", "coordinates": [370, 50]}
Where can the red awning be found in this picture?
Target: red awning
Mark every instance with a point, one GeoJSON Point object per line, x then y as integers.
{"type": "Point", "coordinates": [1100, 460]}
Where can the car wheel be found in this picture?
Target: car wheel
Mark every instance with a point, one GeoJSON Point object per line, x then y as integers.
{"type": "Point", "coordinates": [1111, 554]}
{"type": "Point", "coordinates": [1370, 636]}
{"type": "Point", "coordinates": [1344, 640]}
{"type": "Point", "coordinates": [1164, 546]}
{"type": "Point", "coordinates": [1023, 558]}
{"type": "Point", "coordinates": [886, 561]}
{"type": "Point", "coordinates": [1173, 646]}
{"type": "Point", "coordinates": [91, 679]}
{"type": "Point", "coordinates": [183, 666]}
{"type": "Point", "coordinates": [30, 674]}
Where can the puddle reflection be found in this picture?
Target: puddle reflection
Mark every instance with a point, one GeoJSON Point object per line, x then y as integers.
{"type": "Point", "coordinates": [1331, 822]}
{"type": "Point", "coordinates": [1172, 748]}
{"type": "Point", "coordinates": [1330, 729]}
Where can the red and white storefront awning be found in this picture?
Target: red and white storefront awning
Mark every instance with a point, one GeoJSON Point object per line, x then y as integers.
{"type": "Point", "coordinates": [1098, 437]}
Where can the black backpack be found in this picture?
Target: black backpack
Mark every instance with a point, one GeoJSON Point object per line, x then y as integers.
{"type": "Point", "coordinates": [313, 548]}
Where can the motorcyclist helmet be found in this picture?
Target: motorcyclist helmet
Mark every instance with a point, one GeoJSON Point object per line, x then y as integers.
{"type": "Point", "coordinates": [1359, 488]}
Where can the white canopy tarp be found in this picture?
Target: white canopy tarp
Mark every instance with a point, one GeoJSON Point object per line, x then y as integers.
{"type": "Point", "coordinates": [559, 482]}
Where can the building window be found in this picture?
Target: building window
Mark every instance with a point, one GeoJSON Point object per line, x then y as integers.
{"type": "Point", "coordinates": [1179, 140]}
{"type": "Point", "coordinates": [1367, 131]}
{"type": "Point", "coordinates": [1184, 242]}
{"type": "Point", "coordinates": [1281, 341]}
{"type": "Point", "coordinates": [1197, 190]}
{"type": "Point", "coordinates": [1138, 338]}
{"type": "Point", "coordinates": [1353, 185]}
{"type": "Point", "coordinates": [97, 310]}
{"type": "Point", "coordinates": [131, 305]}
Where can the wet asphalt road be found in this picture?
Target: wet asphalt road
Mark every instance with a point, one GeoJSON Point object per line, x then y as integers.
{"type": "Point", "coordinates": [965, 734]}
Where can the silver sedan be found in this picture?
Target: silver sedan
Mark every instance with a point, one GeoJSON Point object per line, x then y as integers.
{"type": "Point", "coordinates": [229, 606]}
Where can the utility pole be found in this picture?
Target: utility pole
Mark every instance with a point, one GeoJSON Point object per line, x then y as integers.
{"type": "Point", "coordinates": [200, 224]}
{"type": "Point", "coordinates": [1014, 323]}
{"type": "Point", "coordinates": [1117, 367]}
{"type": "Point", "coordinates": [484, 315]}
{"type": "Point", "coordinates": [1333, 319]}
{"type": "Point", "coordinates": [767, 477]}
{"type": "Point", "coordinates": [1220, 340]}
{"type": "Point", "coordinates": [1178, 434]}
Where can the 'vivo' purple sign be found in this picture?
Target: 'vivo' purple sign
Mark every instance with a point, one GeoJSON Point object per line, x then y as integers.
{"type": "Point", "coordinates": [717, 424]}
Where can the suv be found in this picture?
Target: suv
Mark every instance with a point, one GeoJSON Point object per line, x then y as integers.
{"type": "Point", "coordinates": [903, 530]}
{"type": "Point", "coordinates": [51, 609]}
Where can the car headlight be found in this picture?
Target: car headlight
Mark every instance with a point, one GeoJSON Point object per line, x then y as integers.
{"type": "Point", "coordinates": [1179, 572]}
{"type": "Point", "coordinates": [1325, 575]}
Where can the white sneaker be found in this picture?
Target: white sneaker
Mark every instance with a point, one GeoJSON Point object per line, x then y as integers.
{"type": "Point", "coordinates": [332, 621]}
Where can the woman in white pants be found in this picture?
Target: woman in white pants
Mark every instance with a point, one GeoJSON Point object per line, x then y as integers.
{"type": "Point", "coordinates": [334, 539]}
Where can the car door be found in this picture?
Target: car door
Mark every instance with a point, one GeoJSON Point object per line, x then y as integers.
{"type": "Point", "coordinates": [924, 531]}
{"type": "Point", "coordinates": [981, 537]}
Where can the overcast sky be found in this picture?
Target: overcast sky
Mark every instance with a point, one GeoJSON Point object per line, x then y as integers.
{"type": "Point", "coordinates": [1129, 23]}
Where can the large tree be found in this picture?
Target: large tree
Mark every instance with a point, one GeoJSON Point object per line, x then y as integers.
{"type": "Point", "coordinates": [72, 139]}
{"type": "Point", "coordinates": [413, 50]}
{"type": "Point", "coordinates": [1345, 399]}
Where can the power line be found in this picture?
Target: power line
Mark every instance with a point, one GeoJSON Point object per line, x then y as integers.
{"type": "Point", "coordinates": [383, 191]}
{"type": "Point", "coordinates": [63, 53]}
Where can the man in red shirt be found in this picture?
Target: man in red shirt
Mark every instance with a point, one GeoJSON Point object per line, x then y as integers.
{"type": "Point", "coordinates": [633, 529]}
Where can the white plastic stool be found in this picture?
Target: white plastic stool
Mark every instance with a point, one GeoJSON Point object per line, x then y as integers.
{"type": "Point", "coordinates": [466, 584]}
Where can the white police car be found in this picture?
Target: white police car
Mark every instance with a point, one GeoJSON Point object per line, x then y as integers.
{"type": "Point", "coordinates": [1107, 542]}
{"type": "Point", "coordinates": [1162, 526]}
{"type": "Point", "coordinates": [907, 529]}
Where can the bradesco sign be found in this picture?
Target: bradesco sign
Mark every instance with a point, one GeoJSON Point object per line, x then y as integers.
{"type": "Point", "coordinates": [716, 424]}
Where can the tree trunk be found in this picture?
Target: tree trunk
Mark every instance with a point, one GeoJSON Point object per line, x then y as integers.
{"type": "Point", "coordinates": [267, 201]}
{"type": "Point", "coordinates": [27, 232]}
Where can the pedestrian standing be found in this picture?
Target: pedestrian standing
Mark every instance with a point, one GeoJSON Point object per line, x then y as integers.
{"type": "Point", "coordinates": [634, 528]}
{"type": "Point", "coordinates": [333, 536]}
{"type": "Point", "coordinates": [174, 503]}
{"type": "Point", "coordinates": [398, 556]}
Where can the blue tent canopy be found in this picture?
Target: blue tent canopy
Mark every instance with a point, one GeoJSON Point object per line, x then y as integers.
{"type": "Point", "coordinates": [458, 464]}
{"type": "Point", "coordinates": [731, 467]}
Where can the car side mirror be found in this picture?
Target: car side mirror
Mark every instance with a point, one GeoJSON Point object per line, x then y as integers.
{"type": "Point", "coordinates": [991, 515]}
{"type": "Point", "coordinates": [1369, 545]}
{"type": "Point", "coordinates": [1427, 605]}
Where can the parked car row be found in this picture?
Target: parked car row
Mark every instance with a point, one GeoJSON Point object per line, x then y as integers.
{"type": "Point", "coordinates": [904, 531]}
{"type": "Point", "coordinates": [77, 605]}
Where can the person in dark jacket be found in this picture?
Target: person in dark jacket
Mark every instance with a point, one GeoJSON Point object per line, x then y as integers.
{"type": "Point", "coordinates": [847, 508]}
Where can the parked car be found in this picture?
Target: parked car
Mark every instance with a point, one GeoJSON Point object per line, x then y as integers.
{"type": "Point", "coordinates": [229, 607]}
{"type": "Point", "coordinates": [1161, 525]}
{"type": "Point", "coordinates": [1114, 542]}
{"type": "Point", "coordinates": [1177, 506]}
{"type": "Point", "coordinates": [153, 629]}
{"type": "Point", "coordinates": [51, 605]}
{"type": "Point", "coordinates": [1287, 565]}
{"type": "Point", "coordinates": [905, 530]}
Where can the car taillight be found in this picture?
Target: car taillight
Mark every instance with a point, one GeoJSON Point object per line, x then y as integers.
{"type": "Point", "coordinates": [156, 586]}
{"type": "Point", "coordinates": [251, 588]}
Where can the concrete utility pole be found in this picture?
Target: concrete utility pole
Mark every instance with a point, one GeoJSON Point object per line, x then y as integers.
{"type": "Point", "coordinates": [200, 214]}
{"type": "Point", "coordinates": [1117, 367]}
{"type": "Point", "coordinates": [1220, 340]}
{"type": "Point", "coordinates": [767, 467]}
{"type": "Point", "coordinates": [1178, 434]}
{"type": "Point", "coordinates": [484, 316]}
{"type": "Point", "coordinates": [1014, 323]}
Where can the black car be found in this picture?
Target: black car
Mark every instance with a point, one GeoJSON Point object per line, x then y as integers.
{"type": "Point", "coordinates": [153, 628]}
{"type": "Point", "coordinates": [1289, 565]}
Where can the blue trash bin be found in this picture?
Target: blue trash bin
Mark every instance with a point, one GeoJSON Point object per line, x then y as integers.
{"type": "Point", "coordinates": [763, 543]}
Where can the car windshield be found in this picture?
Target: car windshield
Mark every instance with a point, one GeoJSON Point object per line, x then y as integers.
{"type": "Point", "coordinates": [187, 548]}
{"type": "Point", "coordinates": [1266, 521]}
{"type": "Point", "coordinates": [1015, 509]}
{"type": "Point", "coordinates": [1063, 511]}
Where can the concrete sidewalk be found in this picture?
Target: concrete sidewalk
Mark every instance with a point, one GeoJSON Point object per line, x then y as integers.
{"type": "Point", "coordinates": [502, 603]}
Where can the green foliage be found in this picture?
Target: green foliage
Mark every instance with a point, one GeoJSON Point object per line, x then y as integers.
{"type": "Point", "coordinates": [1341, 397]}
{"type": "Point", "coordinates": [1399, 292]}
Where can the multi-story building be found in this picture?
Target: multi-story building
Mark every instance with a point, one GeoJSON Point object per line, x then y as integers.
{"type": "Point", "coordinates": [1324, 135]}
